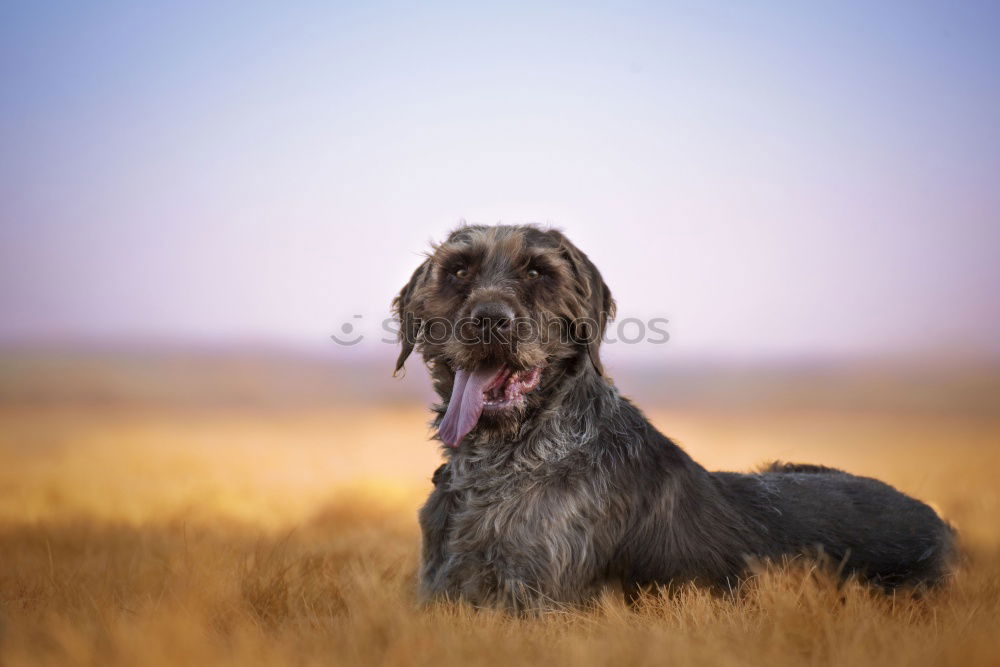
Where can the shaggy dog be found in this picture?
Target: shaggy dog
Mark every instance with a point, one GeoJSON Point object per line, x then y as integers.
{"type": "Point", "coordinates": [556, 486]}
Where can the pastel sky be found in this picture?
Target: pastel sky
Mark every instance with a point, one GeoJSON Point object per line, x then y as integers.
{"type": "Point", "coordinates": [811, 179]}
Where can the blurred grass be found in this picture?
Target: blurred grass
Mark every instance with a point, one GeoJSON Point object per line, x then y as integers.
{"type": "Point", "coordinates": [248, 526]}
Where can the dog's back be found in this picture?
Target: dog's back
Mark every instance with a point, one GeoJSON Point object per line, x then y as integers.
{"type": "Point", "coordinates": [859, 525]}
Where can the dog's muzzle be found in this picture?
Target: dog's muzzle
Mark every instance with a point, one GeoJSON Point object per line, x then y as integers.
{"type": "Point", "coordinates": [489, 389]}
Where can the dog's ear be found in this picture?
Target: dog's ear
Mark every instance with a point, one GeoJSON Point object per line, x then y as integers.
{"type": "Point", "coordinates": [403, 309]}
{"type": "Point", "coordinates": [598, 305]}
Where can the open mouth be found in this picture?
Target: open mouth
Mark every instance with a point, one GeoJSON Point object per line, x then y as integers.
{"type": "Point", "coordinates": [509, 387]}
{"type": "Point", "coordinates": [493, 390]}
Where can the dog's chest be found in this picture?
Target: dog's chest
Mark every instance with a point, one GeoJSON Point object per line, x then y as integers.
{"type": "Point", "coordinates": [510, 500]}
{"type": "Point", "coordinates": [490, 499]}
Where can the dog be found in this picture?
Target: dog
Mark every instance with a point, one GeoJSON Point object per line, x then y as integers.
{"type": "Point", "coordinates": [555, 487]}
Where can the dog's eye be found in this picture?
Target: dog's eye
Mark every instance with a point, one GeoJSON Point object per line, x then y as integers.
{"type": "Point", "coordinates": [533, 273]}
{"type": "Point", "coordinates": [461, 273]}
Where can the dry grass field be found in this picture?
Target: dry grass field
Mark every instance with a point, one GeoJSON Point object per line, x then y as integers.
{"type": "Point", "coordinates": [148, 533]}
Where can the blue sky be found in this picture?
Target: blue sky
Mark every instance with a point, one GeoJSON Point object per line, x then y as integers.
{"type": "Point", "coordinates": [799, 179]}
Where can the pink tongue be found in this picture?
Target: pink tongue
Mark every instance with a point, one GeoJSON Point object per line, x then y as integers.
{"type": "Point", "coordinates": [466, 404]}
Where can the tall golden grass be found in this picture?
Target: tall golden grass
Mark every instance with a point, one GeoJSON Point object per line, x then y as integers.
{"type": "Point", "coordinates": [143, 536]}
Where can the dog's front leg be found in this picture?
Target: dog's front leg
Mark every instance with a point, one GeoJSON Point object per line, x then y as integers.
{"type": "Point", "coordinates": [500, 575]}
{"type": "Point", "coordinates": [435, 522]}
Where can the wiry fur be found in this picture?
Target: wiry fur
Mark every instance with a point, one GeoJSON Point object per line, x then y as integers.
{"type": "Point", "coordinates": [577, 490]}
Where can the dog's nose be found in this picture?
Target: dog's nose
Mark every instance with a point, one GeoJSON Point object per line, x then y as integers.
{"type": "Point", "coordinates": [492, 316]}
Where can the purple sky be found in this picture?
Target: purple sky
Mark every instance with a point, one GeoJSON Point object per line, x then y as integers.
{"type": "Point", "coordinates": [776, 180]}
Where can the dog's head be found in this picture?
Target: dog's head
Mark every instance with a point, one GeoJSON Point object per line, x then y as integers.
{"type": "Point", "coordinates": [500, 314]}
